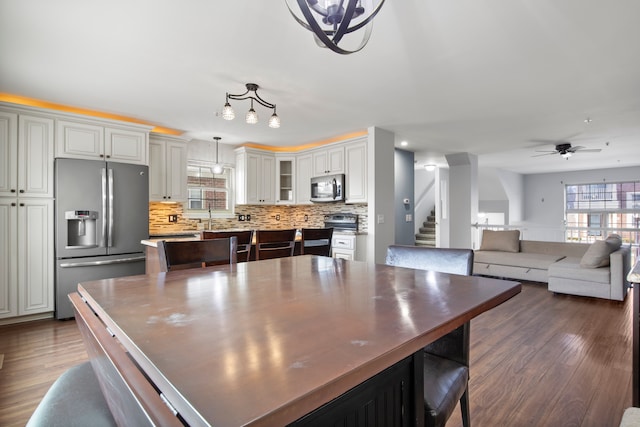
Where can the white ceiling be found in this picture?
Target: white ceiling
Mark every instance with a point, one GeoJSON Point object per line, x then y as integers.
{"type": "Point", "coordinates": [489, 77]}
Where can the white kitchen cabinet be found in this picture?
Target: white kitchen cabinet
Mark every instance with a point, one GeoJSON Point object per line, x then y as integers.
{"type": "Point", "coordinates": [343, 246]}
{"type": "Point", "coordinates": [328, 161]}
{"type": "Point", "coordinates": [26, 256]}
{"type": "Point", "coordinates": [356, 175]}
{"type": "Point", "coordinates": [26, 148]}
{"type": "Point", "coordinates": [167, 169]}
{"type": "Point", "coordinates": [349, 246]}
{"type": "Point", "coordinates": [285, 180]}
{"type": "Point", "coordinates": [94, 141]}
{"type": "Point", "coordinates": [255, 177]}
{"type": "Point", "coordinates": [26, 214]}
{"type": "Point", "coordinates": [304, 171]}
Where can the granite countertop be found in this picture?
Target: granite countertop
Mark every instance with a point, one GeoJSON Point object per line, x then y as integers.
{"type": "Point", "coordinates": [153, 241]}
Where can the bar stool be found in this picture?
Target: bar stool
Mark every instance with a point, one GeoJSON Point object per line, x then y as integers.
{"type": "Point", "coordinates": [446, 360]}
{"type": "Point", "coordinates": [275, 243]}
{"type": "Point", "coordinates": [180, 255]}
{"type": "Point", "coordinates": [245, 239]}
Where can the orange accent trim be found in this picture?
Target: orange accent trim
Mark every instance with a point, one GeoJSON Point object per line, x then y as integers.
{"type": "Point", "coordinates": [32, 102]}
{"type": "Point", "coordinates": [307, 146]}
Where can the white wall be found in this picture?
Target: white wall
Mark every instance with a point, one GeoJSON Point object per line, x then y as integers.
{"type": "Point", "coordinates": [381, 193]}
{"type": "Point", "coordinates": [544, 197]}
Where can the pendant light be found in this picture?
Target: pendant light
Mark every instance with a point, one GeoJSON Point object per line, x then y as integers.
{"type": "Point", "coordinates": [216, 169]}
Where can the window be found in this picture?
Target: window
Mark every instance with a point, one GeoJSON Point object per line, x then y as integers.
{"type": "Point", "coordinates": [208, 193]}
{"type": "Point", "coordinates": [593, 211]}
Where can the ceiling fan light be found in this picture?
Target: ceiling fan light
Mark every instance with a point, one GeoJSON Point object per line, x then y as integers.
{"type": "Point", "coordinates": [566, 155]}
{"type": "Point", "coordinates": [227, 112]}
{"type": "Point", "coordinates": [274, 121]}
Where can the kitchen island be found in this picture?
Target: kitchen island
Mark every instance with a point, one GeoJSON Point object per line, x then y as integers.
{"type": "Point", "coordinates": [343, 243]}
{"type": "Point", "coordinates": [300, 340]}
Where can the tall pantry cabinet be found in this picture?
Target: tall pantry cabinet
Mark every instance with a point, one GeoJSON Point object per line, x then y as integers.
{"type": "Point", "coordinates": [26, 213]}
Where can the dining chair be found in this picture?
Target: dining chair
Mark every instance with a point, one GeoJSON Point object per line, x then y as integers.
{"type": "Point", "coordinates": [316, 241]}
{"type": "Point", "coordinates": [74, 399]}
{"type": "Point", "coordinates": [275, 243]}
{"type": "Point", "coordinates": [180, 255]}
{"type": "Point", "coordinates": [245, 239]}
{"type": "Point", "coordinates": [446, 360]}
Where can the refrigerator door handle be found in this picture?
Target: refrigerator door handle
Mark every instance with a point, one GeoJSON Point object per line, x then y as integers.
{"type": "Point", "coordinates": [106, 262]}
{"type": "Point", "coordinates": [104, 208]}
{"type": "Point", "coordinates": [110, 186]}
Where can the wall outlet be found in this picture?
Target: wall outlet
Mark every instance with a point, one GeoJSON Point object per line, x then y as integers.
{"type": "Point", "coordinates": [240, 217]}
{"type": "Point", "coordinates": [408, 218]}
{"type": "Point", "coordinates": [247, 217]}
{"type": "Point", "coordinates": [306, 218]}
{"type": "Point", "coordinates": [173, 218]}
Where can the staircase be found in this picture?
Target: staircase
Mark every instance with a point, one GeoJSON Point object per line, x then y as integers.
{"type": "Point", "coordinates": [427, 234]}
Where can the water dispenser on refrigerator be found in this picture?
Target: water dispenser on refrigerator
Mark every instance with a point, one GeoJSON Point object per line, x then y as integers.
{"type": "Point", "coordinates": [81, 229]}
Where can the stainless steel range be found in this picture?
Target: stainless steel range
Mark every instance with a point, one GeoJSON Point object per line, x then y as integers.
{"type": "Point", "coordinates": [342, 222]}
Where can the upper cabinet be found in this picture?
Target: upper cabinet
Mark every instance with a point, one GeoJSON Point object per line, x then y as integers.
{"type": "Point", "coordinates": [93, 141]}
{"type": "Point", "coordinates": [356, 166]}
{"type": "Point", "coordinates": [328, 161]}
{"type": "Point", "coordinates": [285, 180]}
{"type": "Point", "coordinates": [255, 177]}
{"type": "Point", "coordinates": [26, 155]}
{"type": "Point", "coordinates": [304, 171]}
{"type": "Point", "coordinates": [167, 169]}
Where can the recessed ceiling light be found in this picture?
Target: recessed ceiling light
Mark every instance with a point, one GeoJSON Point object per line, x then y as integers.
{"type": "Point", "coordinates": [430, 167]}
{"type": "Point", "coordinates": [404, 143]}
{"type": "Point", "coordinates": [587, 120]}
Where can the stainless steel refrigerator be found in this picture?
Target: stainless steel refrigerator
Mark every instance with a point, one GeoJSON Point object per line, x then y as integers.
{"type": "Point", "coordinates": [102, 214]}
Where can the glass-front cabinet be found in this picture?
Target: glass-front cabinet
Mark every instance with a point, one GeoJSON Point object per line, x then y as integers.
{"type": "Point", "coordinates": [285, 180]}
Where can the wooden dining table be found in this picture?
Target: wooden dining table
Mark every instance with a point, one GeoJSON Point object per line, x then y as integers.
{"type": "Point", "coordinates": [291, 341]}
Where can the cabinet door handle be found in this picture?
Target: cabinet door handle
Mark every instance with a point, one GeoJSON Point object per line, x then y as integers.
{"type": "Point", "coordinates": [13, 204]}
{"type": "Point", "coordinates": [22, 191]}
{"type": "Point", "coordinates": [13, 190]}
{"type": "Point", "coordinates": [21, 204]}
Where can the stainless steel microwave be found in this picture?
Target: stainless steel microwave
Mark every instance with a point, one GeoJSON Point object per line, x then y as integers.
{"type": "Point", "coordinates": [329, 188]}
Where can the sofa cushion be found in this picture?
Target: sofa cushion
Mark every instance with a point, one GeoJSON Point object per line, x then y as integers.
{"type": "Point", "coordinates": [520, 259]}
{"type": "Point", "coordinates": [502, 240]}
{"type": "Point", "coordinates": [598, 253]}
{"type": "Point", "coordinates": [570, 268]}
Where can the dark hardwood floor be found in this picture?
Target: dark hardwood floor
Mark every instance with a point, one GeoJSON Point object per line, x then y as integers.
{"type": "Point", "coordinates": [537, 360]}
{"type": "Point", "coordinates": [35, 354]}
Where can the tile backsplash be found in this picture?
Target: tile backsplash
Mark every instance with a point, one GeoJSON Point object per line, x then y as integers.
{"type": "Point", "coordinates": [262, 216]}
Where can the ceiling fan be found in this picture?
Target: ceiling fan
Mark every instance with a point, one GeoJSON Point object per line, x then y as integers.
{"type": "Point", "coordinates": [566, 150]}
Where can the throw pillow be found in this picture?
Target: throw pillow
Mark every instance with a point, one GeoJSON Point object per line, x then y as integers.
{"type": "Point", "coordinates": [596, 256]}
{"type": "Point", "coordinates": [614, 241]}
{"type": "Point", "coordinates": [503, 240]}
{"type": "Point", "coordinates": [598, 253]}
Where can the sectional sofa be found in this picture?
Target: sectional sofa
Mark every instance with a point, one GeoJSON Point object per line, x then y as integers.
{"type": "Point", "coordinates": [594, 270]}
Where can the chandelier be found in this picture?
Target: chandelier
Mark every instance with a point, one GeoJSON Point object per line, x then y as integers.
{"type": "Point", "coordinates": [330, 20]}
{"type": "Point", "coordinates": [252, 116]}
